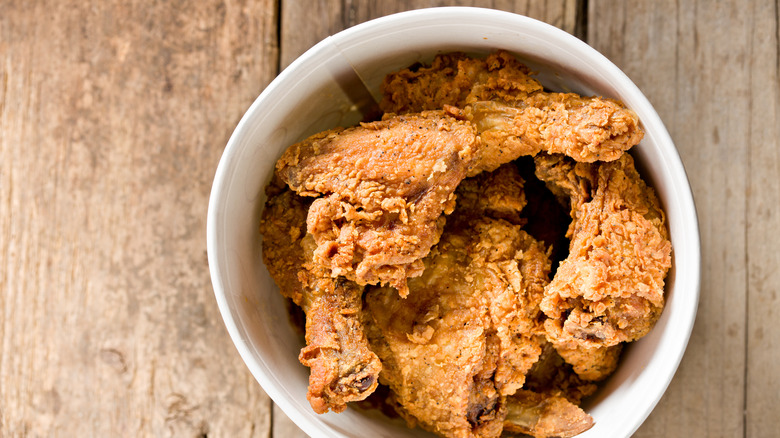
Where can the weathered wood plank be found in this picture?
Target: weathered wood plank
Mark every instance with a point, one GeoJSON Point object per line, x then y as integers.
{"type": "Point", "coordinates": [113, 116]}
{"type": "Point", "coordinates": [691, 60]}
{"type": "Point", "coordinates": [763, 220]}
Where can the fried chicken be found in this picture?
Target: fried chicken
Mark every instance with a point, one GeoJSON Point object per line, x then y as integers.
{"type": "Point", "coordinates": [552, 375]}
{"type": "Point", "coordinates": [283, 226]}
{"type": "Point", "coordinates": [510, 268]}
{"type": "Point", "coordinates": [382, 190]}
{"type": "Point", "coordinates": [343, 368]}
{"type": "Point", "coordinates": [590, 363]}
{"type": "Point", "coordinates": [469, 331]}
{"type": "Point", "coordinates": [403, 240]}
{"type": "Point", "coordinates": [610, 289]}
{"type": "Point", "coordinates": [547, 406]}
{"type": "Point", "coordinates": [436, 356]}
{"type": "Point", "coordinates": [513, 115]}
{"type": "Point", "coordinates": [545, 416]}
{"type": "Point", "coordinates": [456, 79]}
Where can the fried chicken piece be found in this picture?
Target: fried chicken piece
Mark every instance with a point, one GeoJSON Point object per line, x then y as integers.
{"type": "Point", "coordinates": [456, 79]}
{"type": "Point", "coordinates": [384, 187]}
{"type": "Point", "coordinates": [511, 269]}
{"type": "Point", "coordinates": [590, 363]}
{"type": "Point", "coordinates": [508, 266]}
{"type": "Point", "coordinates": [283, 226]}
{"type": "Point", "coordinates": [436, 357]}
{"type": "Point", "coordinates": [610, 289]}
{"type": "Point", "coordinates": [586, 129]}
{"type": "Point", "coordinates": [468, 333]}
{"type": "Point", "coordinates": [343, 368]}
{"type": "Point", "coordinates": [514, 116]}
{"type": "Point", "coordinates": [571, 184]}
{"type": "Point", "coordinates": [547, 406]}
{"type": "Point", "coordinates": [545, 416]}
{"type": "Point", "coordinates": [499, 195]}
{"type": "Point", "coordinates": [553, 376]}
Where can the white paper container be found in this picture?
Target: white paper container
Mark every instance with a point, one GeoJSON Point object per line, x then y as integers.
{"type": "Point", "coordinates": [322, 89]}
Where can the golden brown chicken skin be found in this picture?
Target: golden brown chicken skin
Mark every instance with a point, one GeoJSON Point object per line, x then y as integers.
{"type": "Point", "coordinates": [436, 356]}
{"type": "Point", "coordinates": [469, 330]}
{"type": "Point", "coordinates": [548, 404]}
{"type": "Point", "coordinates": [283, 226]}
{"type": "Point", "coordinates": [511, 268]}
{"type": "Point", "coordinates": [545, 415]}
{"type": "Point", "coordinates": [457, 79]}
{"type": "Point", "coordinates": [552, 375]}
{"type": "Point", "coordinates": [342, 366]}
{"type": "Point", "coordinates": [610, 289]}
{"type": "Point", "coordinates": [382, 189]}
{"type": "Point", "coordinates": [513, 114]}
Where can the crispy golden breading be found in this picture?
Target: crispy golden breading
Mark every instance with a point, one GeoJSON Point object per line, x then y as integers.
{"type": "Point", "coordinates": [513, 115]}
{"type": "Point", "coordinates": [384, 188]}
{"type": "Point", "coordinates": [343, 368]}
{"type": "Point", "coordinates": [457, 79]}
{"type": "Point", "coordinates": [552, 375]}
{"type": "Point", "coordinates": [610, 287]}
{"type": "Point", "coordinates": [436, 356]}
{"type": "Point", "coordinates": [469, 330]}
{"type": "Point", "coordinates": [545, 416]}
{"type": "Point", "coordinates": [283, 226]}
{"type": "Point", "coordinates": [499, 195]}
{"type": "Point", "coordinates": [590, 363]}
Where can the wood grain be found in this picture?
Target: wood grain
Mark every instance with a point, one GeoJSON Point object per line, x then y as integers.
{"type": "Point", "coordinates": [762, 386]}
{"type": "Point", "coordinates": [113, 117]}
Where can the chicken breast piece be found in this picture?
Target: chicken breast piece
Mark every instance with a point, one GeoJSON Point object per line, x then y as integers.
{"type": "Point", "coordinates": [610, 289]}
{"type": "Point", "coordinates": [343, 368]}
{"type": "Point", "coordinates": [382, 190]}
{"type": "Point", "coordinates": [469, 331]}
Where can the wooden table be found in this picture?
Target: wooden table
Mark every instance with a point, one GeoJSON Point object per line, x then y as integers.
{"type": "Point", "coordinates": [113, 117]}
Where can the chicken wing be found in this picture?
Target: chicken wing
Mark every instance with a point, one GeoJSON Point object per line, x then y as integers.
{"type": "Point", "coordinates": [343, 368]}
{"type": "Point", "coordinates": [610, 288]}
{"type": "Point", "coordinates": [383, 188]}
{"type": "Point", "coordinates": [513, 115]}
